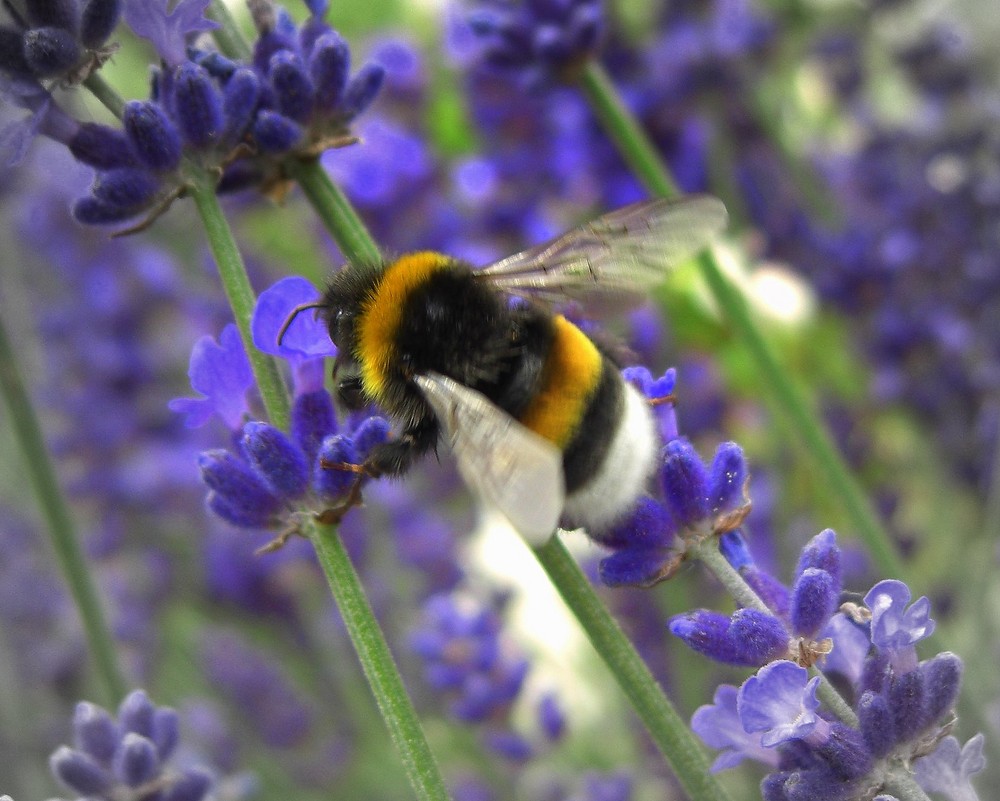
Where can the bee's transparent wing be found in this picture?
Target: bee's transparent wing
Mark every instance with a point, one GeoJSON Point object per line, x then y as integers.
{"type": "Point", "coordinates": [623, 253]}
{"type": "Point", "coordinates": [506, 464]}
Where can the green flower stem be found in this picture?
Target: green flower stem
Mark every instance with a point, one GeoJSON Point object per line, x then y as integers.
{"type": "Point", "coordinates": [335, 210]}
{"type": "Point", "coordinates": [52, 504]}
{"type": "Point", "coordinates": [707, 552]}
{"type": "Point", "coordinates": [903, 786]}
{"type": "Point", "coordinates": [240, 294]}
{"type": "Point", "coordinates": [670, 733]}
{"type": "Point", "coordinates": [106, 93]}
{"type": "Point", "coordinates": [642, 158]}
{"type": "Point", "coordinates": [231, 41]}
{"type": "Point", "coordinates": [377, 662]}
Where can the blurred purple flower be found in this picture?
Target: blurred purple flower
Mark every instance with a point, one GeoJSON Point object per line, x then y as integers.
{"type": "Point", "coordinates": [168, 31]}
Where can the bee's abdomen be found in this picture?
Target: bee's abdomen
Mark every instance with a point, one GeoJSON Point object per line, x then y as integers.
{"type": "Point", "coordinates": [578, 401]}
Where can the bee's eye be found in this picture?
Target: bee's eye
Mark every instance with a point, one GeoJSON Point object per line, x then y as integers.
{"type": "Point", "coordinates": [340, 325]}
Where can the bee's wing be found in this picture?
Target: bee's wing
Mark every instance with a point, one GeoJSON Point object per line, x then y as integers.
{"type": "Point", "coordinates": [506, 464]}
{"type": "Point", "coordinates": [623, 253]}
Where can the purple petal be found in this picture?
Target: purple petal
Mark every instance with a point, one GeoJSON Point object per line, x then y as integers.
{"type": "Point", "coordinates": [222, 373]}
{"type": "Point", "coordinates": [719, 726]}
{"type": "Point", "coordinates": [893, 625]}
{"type": "Point", "coordinates": [168, 31]}
{"type": "Point", "coordinates": [306, 335]}
{"type": "Point", "coordinates": [779, 701]}
{"type": "Point", "coordinates": [949, 768]}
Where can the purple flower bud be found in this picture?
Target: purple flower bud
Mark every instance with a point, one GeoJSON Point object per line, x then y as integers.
{"type": "Point", "coordinates": [313, 418]}
{"type": "Point", "coordinates": [95, 732]}
{"type": "Point", "coordinates": [318, 7]}
{"type": "Point", "coordinates": [166, 731]}
{"type": "Point", "coordinates": [633, 566]}
{"type": "Point", "coordinates": [876, 673]}
{"type": "Point", "coordinates": [845, 752]}
{"type": "Point", "coordinates": [197, 106]}
{"type": "Point", "coordinates": [50, 51]}
{"type": "Point", "coordinates": [239, 102]}
{"type": "Point", "coordinates": [128, 188]}
{"type": "Point", "coordinates": [135, 714]}
{"type": "Point", "coordinates": [735, 550]}
{"type": "Point", "coordinates": [647, 526]}
{"type": "Point", "coordinates": [55, 13]}
{"type": "Point", "coordinates": [822, 552]}
{"type": "Point", "coordinates": [136, 761]}
{"type": "Point", "coordinates": [906, 700]}
{"type": "Point", "coordinates": [79, 772]}
{"type": "Point", "coordinates": [91, 211]}
{"type": "Point", "coordinates": [758, 637]}
{"type": "Point", "coordinates": [941, 676]}
{"type": "Point", "coordinates": [361, 90]}
{"type": "Point", "coordinates": [330, 482]}
{"type": "Point", "coordinates": [98, 20]}
{"type": "Point", "coordinates": [275, 133]}
{"type": "Point", "coordinates": [816, 783]}
{"type": "Point", "coordinates": [240, 496]}
{"type": "Point", "coordinates": [193, 785]}
{"type": "Point", "coordinates": [748, 637]}
{"type": "Point", "coordinates": [372, 432]}
{"type": "Point", "coordinates": [12, 59]}
{"type": "Point", "coordinates": [815, 597]}
{"type": "Point", "coordinates": [292, 87]}
{"type": "Point", "coordinates": [277, 459]}
{"type": "Point", "coordinates": [551, 717]}
{"type": "Point", "coordinates": [267, 45]}
{"type": "Point", "coordinates": [727, 476]}
{"type": "Point", "coordinates": [876, 724]}
{"type": "Point", "coordinates": [101, 146]}
{"type": "Point", "coordinates": [329, 66]}
{"type": "Point", "coordinates": [509, 745]}
{"type": "Point", "coordinates": [685, 483]}
{"type": "Point", "coordinates": [153, 137]}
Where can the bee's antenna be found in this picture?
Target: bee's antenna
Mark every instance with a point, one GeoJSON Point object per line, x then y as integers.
{"type": "Point", "coordinates": [295, 313]}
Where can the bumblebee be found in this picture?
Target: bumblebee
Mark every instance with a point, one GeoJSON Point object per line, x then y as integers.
{"type": "Point", "coordinates": [541, 423]}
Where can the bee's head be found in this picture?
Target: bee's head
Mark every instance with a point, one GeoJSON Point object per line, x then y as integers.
{"type": "Point", "coordinates": [343, 303]}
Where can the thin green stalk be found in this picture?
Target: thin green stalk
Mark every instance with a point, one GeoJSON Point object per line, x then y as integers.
{"type": "Point", "coordinates": [335, 210]}
{"type": "Point", "coordinates": [240, 294]}
{"type": "Point", "coordinates": [228, 36]}
{"type": "Point", "coordinates": [903, 786]}
{"type": "Point", "coordinates": [106, 93]}
{"type": "Point", "coordinates": [62, 533]}
{"type": "Point", "coordinates": [643, 159]}
{"type": "Point", "coordinates": [377, 662]}
{"type": "Point", "coordinates": [668, 730]}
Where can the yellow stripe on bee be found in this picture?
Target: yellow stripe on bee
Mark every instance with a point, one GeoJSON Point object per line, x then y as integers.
{"type": "Point", "coordinates": [569, 379]}
{"type": "Point", "coordinates": [383, 312]}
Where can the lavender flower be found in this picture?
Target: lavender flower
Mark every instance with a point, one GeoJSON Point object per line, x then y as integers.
{"type": "Point", "coordinates": [56, 41]}
{"type": "Point", "coordinates": [699, 501]}
{"type": "Point", "coordinates": [540, 41]}
{"type": "Point", "coordinates": [902, 705]}
{"type": "Point", "coordinates": [128, 756]}
{"type": "Point", "coordinates": [465, 656]}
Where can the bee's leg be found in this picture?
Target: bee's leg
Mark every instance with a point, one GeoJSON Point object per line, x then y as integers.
{"type": "Point", "coordinates": [394, 458]}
